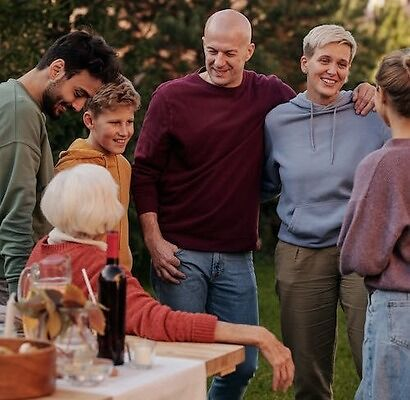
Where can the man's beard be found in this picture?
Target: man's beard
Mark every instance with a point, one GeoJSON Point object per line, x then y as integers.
{"type": "Point", "coordinates": [50, 100]}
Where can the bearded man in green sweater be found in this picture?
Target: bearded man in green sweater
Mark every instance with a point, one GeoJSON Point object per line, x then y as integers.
{"type": "Point", "coordinates": [70, 72]}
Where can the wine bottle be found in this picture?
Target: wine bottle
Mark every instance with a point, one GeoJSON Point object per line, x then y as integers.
{"type": "Point", "coordinates": [112, 295]}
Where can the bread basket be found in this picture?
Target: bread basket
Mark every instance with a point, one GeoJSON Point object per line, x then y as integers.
{"type": "Point", "coordinates": [27, 375]}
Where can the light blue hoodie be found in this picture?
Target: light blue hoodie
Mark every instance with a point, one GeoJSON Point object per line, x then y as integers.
{"type": "Point", "coordinates": [311, 154]}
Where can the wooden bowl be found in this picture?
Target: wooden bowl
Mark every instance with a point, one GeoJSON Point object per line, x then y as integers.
{"type": "Point", "coordinates": [28, 375]}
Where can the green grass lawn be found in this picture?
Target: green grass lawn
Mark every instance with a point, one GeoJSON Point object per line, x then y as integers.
{"type": "Point", "coordinates": [345, 380]}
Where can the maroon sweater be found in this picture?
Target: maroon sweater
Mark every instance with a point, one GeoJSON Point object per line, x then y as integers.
{"type": "Point", "coordinates": [198, 160]}
{"type": "Point", "coordinates": [376, 230]}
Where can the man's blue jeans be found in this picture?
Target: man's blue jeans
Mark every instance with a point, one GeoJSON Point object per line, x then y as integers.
{"type": "Point", "coordinates": [222, 284]}
{"type": "Point", "coordinates": [386, 348]}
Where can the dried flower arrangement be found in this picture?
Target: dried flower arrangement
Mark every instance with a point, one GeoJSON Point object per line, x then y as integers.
{"type": "Point", "coordinates": [48, 313]}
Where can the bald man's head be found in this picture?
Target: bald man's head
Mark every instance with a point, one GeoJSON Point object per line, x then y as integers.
{"type": "Point", "coordinates": [227, 47]}
{"type": "Point", "coordinates": [230, 20]}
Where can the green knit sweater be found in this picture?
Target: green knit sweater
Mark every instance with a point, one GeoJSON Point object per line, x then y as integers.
{"type": "Point", "coordinates": [26, 167]}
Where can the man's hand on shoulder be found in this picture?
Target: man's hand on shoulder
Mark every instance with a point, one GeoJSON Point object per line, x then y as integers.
{"type": "Point", "coordinates": [363, 97]}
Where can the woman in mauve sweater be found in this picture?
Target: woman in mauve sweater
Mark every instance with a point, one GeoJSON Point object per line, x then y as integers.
{"type": "Point", "coordinates": [82, 204]}
{"type": "Point", "coordinates": [375, 239]}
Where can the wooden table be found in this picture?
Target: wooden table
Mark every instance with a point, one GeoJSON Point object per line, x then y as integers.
{"type": "Point", "coordinates": [220, 359]}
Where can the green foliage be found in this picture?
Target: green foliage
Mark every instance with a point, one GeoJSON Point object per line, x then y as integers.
{"type": "Point", "coordinates": [159, 40]}
{"type": "Point", "coordinates": [377, 32]}
{"type": "Point", "coordinates": [27, 29]}
{"type": "Point", "coordinates": [279, 29]}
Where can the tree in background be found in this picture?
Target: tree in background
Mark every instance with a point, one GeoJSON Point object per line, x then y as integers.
{"type": "Point", "coordinates": [379, 27]}
{"type": "Point", "coordinates": [159, 40]}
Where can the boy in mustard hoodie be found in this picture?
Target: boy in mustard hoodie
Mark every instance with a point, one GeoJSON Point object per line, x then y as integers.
{"type": "Point", "coordinates": [109, 117]}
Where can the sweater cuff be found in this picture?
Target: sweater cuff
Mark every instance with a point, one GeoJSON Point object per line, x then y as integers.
{"type": "Point", "coordinates": [145, 208]}
{"type": "Point", "coordinates": [203, 329]}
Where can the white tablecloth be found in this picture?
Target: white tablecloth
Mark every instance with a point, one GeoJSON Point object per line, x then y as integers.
{"type": "Point", "coordinates": [168, 379]}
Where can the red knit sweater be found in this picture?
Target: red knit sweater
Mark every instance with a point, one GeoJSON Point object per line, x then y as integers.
{"type": "Point", "coordinates": [145, 316]}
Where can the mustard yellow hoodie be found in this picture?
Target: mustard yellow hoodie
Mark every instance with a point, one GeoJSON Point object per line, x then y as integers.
{"type": "Point", "coordinates": [81, 151]}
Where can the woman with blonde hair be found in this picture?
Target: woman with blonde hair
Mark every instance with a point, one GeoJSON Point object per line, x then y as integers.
{"type": "Point", "coordinates": [82, 204]}
{"type": "Point", "coordinates": [375, 239]}
{"type": "Point", "coordinates": [313, 145]}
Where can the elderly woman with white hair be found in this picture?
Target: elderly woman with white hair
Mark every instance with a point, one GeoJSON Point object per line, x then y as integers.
{"type": "Point", "coordinates": [82, 205]}
{"type": "Point", "coordinates": [313, 145]}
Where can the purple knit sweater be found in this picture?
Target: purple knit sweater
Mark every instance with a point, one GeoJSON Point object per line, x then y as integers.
{"type": "Point", "coordinates": [375, 237]}
{"type": "Point", "coordinates": [198, 160]}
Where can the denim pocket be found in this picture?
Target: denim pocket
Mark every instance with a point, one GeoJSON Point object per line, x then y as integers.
{"type": "Point", "coordinates": [178, 252]}
{"type": "Point", "coordinates": [399, 322]}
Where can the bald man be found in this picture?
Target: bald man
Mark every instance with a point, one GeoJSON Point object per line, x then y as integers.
{"type": "Point", "coordinates": [196, 181]}
{"type": "Point", "coordinates": [227, 44]}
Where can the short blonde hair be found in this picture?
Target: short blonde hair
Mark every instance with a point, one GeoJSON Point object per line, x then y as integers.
{"type": "Point", "coordinates": [393, 76]}
{"type": "Point", "coordinates": [82, 201]}
{"type": "Point", "coordinates": [322, 35]}
{"type": "Point", "coordinates": [114, 94]}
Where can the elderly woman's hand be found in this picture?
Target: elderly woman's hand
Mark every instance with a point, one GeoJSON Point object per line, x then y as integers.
{"type": "Point", "coordinates": [279, 357]}
{"type": "Point", "coordinates": [272, 349]}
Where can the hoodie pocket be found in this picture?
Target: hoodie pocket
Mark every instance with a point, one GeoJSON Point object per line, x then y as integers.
{"type": "Point", "coordinates": [318, 221]}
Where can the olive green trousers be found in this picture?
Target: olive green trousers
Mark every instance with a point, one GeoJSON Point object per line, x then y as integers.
{"type": "Point", "coordinates": [310, 287]}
